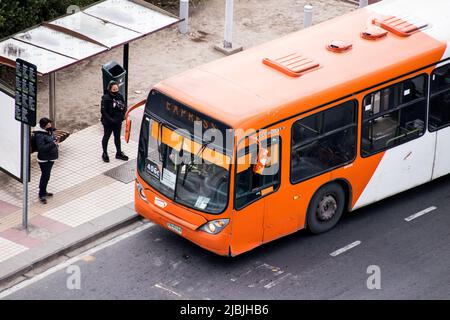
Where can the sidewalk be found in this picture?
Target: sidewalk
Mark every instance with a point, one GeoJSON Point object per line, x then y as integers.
{"type": "Point", "coordinates": [90, 196]}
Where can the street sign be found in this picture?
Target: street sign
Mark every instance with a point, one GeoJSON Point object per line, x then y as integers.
{"type": "Point", "coordinates": [26, 92]}
{"type": "Point", "coordinates": [25, 112]}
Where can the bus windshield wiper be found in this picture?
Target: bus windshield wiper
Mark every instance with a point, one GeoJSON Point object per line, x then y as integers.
{"type": "Point", "coordinates": [190, 165]}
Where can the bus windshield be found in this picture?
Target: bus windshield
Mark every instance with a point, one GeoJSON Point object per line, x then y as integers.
{"type": "Point", "coordinates": [190, 172]}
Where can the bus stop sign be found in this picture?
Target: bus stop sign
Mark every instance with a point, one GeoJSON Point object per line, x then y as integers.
{"type": "Point", "coordinates": [26, 92]}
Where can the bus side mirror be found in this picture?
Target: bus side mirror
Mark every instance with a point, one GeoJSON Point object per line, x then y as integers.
{"type": "Point", "coordinates": [127, 129]}
{"type": "Point", "coordinates": [261, 161]}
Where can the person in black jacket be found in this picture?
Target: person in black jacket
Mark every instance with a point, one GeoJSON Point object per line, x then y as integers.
{"type": "Point", "coordinates": [47, 148]}
{"type": "Point", "coordinates": [113, 111]}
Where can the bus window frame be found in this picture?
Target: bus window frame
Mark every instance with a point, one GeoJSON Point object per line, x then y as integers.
{"type": "Point", "coordinates": [430, 95]}
{"type": "Point", "coordinates": [247, 150]}
{"type": "Point", "coordinates": [317, 111]}
{"type": "Point", "coordinates": [425, 98]}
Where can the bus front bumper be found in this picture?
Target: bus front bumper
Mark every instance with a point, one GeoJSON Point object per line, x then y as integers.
{"type": "Point", "coordinates": [217, 243]}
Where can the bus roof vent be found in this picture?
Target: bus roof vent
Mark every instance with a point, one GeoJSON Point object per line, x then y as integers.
{"type": "Point", "coordinates": [293, 65]}
{"type": "Point", "coordinates": [401, 26]}
{"type": "Point", "coordinates": [373, 33]}
{"type": "Point", "coordinates": [339, 46]}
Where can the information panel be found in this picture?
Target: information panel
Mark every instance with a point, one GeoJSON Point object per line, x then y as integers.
{"type": "Point", "coordinates": [26, 92]}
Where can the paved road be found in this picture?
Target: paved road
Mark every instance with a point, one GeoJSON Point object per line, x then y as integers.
{"type": "Point", "coordinates": [414, 259]}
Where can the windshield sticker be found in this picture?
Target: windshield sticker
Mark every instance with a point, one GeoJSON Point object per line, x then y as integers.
{"type": "Point", "coordinates": [153, 169]}
{"type": "Point", "coordinates": [168, 179]}
{"type": "Point", "coordinates": [202, 202]}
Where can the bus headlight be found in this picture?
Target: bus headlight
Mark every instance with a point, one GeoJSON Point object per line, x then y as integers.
{"type": "Point", "coordinates": [140, 190]}
{"type": "Point", "coordinates": [215, 226]}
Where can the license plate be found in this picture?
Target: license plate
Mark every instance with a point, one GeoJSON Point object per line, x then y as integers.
{"type": "Point", "coordinates": [175, 228]}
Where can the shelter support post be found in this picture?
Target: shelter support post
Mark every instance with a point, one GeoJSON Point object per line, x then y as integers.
{"type": "Point", "coordinates": [52, 98]}
{"type": "Point", "coordinates": [126, 53]}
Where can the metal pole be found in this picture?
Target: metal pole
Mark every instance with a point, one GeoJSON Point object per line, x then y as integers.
{"type": "Point", "coordinates": [227, 43]}
{"type": "Point", "coordinates": [52, 98]}
{"type": "Point", "coordinates": [25, 173]}
{"type": "Point", "coordinates": [307, 18]}
{"type": "Point", "coordinates": [126, 52]}
{"type": "Point", "coordinates": [363, 3]}
{"type": "Point", "coordinates": [184, 14]}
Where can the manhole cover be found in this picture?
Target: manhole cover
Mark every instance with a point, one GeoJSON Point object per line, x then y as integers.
{"type": "Point", "coordinates": [125, 173]}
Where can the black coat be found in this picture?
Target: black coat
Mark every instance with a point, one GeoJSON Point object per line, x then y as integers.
{"type": "Point", "coordinates": [113, 109]}
{"type": "Point", "coordinates": [46, 147]}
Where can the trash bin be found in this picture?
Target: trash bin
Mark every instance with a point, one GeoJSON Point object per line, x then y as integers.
{"type": "Point", "coordinates": [113, 71]}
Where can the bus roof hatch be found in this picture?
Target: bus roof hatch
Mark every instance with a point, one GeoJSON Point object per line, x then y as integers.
{"type": "Point", "coordinates": [293, 65]}
{"type": "Point", "coordinates": [400, 26]}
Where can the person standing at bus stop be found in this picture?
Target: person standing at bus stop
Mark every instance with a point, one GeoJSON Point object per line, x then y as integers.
{"type": "Point", "coordinates": [47, 148]}
{"type": "Point", "coordinates": [113, 111]}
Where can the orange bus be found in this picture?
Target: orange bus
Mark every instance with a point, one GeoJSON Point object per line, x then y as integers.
{"type": "Point", "coordinates": [290, 134]}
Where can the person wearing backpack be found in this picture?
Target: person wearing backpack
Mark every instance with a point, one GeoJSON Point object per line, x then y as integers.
{"type": "Point", "coordinates": [47, 148]}
{"type": "Point", "coordinates": [113, 111]}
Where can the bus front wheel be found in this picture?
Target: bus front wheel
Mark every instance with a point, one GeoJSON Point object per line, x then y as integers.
{"type": "Point", "coordinates": [326, 208]}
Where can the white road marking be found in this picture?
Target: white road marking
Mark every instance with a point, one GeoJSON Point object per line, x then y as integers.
{"type": "Point", "coordinates": [73, 260]}
{"type": "Point", "coordinates": [277, 281]}
{"type": "Point", "coordinates": [346, 248]}
{"type": "Point", "coordinates": [421, 213]}
{"type": "Point", "coordinates": [161, 286]}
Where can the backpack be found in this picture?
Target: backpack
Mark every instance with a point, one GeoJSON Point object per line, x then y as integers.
{"type": "Point", "coordinates": [33, 145]}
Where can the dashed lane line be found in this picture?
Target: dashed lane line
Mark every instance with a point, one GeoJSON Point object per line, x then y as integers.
{"type": "Point", "coordinates": [420, 213]}
{"type": "Point", "coordinates": [162, 287]}
{"type": "Point", "coordinates": [346, 248]}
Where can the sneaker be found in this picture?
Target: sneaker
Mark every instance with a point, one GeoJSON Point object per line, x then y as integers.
{"type": "Point", "coordinates": [121, 156]}
{"type": "Point", "coordinates": [43, 200]}
{"type": "Point", "coordinates": [105, 157]}
{"type": "Point", "coordinates": [49, 194]}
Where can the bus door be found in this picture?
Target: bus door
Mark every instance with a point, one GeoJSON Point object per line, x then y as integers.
{"type": "Point", "coordinates": [258, 179]}
{"type": "Point", "coordinates": [249, 206]}
{"type": "Point", "coordinates": [439, 119]}
{"type": "Point", "coordinates": [279, 216]}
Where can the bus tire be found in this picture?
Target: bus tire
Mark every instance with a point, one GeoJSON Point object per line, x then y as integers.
{"type": "Point", "coordinates": [326, 208]}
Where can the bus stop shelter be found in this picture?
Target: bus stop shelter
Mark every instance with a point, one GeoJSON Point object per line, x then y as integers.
{"type": "Point", "coordinates": [63, 42]}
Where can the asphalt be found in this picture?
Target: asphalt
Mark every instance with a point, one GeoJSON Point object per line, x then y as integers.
{"type": "Point", "coordinates": [413, 257]}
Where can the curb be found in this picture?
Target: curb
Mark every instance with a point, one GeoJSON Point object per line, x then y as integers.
{"type": "Point", "coordinates": [66, 242]}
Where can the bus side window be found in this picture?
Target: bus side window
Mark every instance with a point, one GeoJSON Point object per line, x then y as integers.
{"type": "Point", "coordinates": [439, 116]}
{"type": "Point", "coordinates": [400, 121]}
{"type": "Point", "coordinates": [250, 185]}
{"type": "Point", "coordinates": [332, 145]}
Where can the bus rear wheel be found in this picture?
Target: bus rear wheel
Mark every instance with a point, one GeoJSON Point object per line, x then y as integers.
{"type": "Point", "coordinates": [326, 208]}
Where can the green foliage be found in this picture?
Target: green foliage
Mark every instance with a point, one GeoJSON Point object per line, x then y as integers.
{"type": "Point", "coordinates": [17, 15]}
